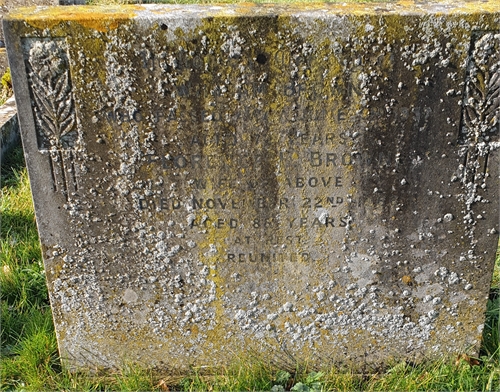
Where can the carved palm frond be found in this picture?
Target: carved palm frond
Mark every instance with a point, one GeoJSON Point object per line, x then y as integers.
{"type": "Point", "coordinates": [492, 108]}
{"type": "Point", "coordinates": [61, 87]}
{"type": "Point", "coordinates": [51, 91]}
{"type": "Point", "coordinates": [67, 125]}
{"type": "Point", "coordinates": [482, 92]}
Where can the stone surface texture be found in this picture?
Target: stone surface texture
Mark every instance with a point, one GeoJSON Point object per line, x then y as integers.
{"type": "Point", "coordinates": [314, 181]}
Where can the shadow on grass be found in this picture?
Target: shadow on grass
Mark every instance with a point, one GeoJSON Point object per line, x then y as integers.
{"type": "Point", "coordinates": [18, 224]}
{"type": "Point", "coordinates": [490, 346]}
{"type": "Point", "coordinates": [12, 164]}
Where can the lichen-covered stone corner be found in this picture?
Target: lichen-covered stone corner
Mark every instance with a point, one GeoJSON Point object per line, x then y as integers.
{"type": "Point", "coordinates": [213, 179]}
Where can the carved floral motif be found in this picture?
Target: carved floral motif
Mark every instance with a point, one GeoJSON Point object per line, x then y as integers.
{"type": "Point", "coordinates": [53, 109]}
{"type": "Point", "coordinates": [482, 92]}
{"type": "Point", "coordinates": [480, 113]}
{"type": "Point", "coordinates": [51, 91]}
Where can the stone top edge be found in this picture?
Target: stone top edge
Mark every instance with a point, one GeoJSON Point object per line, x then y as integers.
{"type": "Point", "coordinates": [251, 9]}
{"type": "Point", "coordinates": [7, 111]}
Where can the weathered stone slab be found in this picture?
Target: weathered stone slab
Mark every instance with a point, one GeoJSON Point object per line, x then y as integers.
{"type": "Point", "coordinates": [9, 127]}
{"type": "Point", "coordinates": [211, 179]}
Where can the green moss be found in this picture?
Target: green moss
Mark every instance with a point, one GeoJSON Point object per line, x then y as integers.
{"type": "Point", "coordinates": [7, 80]}
{"type": "Point", "coordinates": [6, 88]}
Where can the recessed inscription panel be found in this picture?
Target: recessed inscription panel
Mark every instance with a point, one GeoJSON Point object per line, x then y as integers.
{"type": "Point", "coordinates": [289, 181]}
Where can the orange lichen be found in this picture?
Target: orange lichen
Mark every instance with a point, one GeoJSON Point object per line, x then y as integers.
{"type": "Point", "coordinates": [97, 18]}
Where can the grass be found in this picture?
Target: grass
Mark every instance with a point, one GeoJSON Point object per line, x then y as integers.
{"type": "Point", "coordinates": [30, 362]}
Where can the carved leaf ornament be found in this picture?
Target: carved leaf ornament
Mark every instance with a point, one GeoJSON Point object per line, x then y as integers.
{"type": "Point", "coordinates": [482, 92]}
{"type": "Point", "coordinates": [480, 111]}
{"type": "Point", "coordinates": [54, 106]}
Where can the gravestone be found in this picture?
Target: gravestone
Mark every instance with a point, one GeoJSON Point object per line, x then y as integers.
{"type": "Point", "coordinates": [309, 181]}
